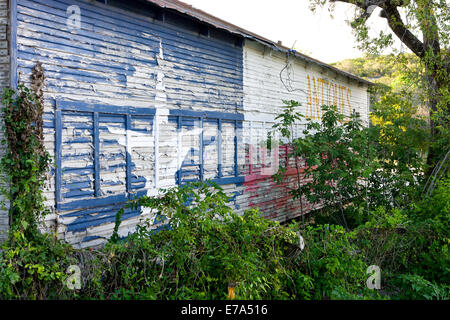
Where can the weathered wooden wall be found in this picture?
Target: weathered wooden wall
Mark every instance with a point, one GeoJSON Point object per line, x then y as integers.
{"type": "Point", "coordinates": [269, 78]}
{"type": "Point", "coordinates": [137, 99]}
{"type": "Point", "coordinates": [112, 91]}
{"type": "Point", "coordinates": [4, 82]}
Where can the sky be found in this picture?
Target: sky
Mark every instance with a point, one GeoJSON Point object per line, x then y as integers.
{"type": "Point", "coordinates": [291, 21]}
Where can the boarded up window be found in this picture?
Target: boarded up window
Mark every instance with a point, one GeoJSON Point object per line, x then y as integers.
{"type": "Point", "coordinates": [104, 154]}
{"type": "Point", "coordinates": [207, 146]}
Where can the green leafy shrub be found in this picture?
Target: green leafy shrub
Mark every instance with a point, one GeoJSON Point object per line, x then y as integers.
{"type": "Point", "coordinates": [410, 241]}
{"type": "Point", "coordinates": [351, 169]}
{"type": "Point", "coordinates": [400, 138]}
{"type": "Point", "coordinates": [413, 286]}
{"type": "Point", "coordinates": [204, 248]}
{"type": "Point", "coordinates": [431, 221]}
{"type": "Point", "coordinates": [26, 160]}
{"type": "Point", "coordinates": [34, 269]}
{"type": "Point", "coordinates": [32, 264]}
{"type": "Point", "coordinates": [334, 264]}
{"type": "Point", "coordinates": [386, 240]}
{"type": "Point", "coordinates": [337, 153]}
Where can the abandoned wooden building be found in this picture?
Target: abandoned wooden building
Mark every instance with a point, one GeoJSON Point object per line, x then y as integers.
{"type": "Point", "coordinates": [147, 94]}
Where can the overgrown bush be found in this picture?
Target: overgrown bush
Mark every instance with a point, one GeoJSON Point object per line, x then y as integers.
{"type": "Point", "coordinates": [350, 169]}
{"type": "Point", "coordinates": [32, 264]}
{"type": "Point", "coordinates": [336, 156]}
{"type": "Point", "coordinates": [204, 248]}
{"type": "Point", "coordinates": [26, 160]}
{"type": "Point", "coordinates": [400, 138]}
{"type": "Point", "coordinates": [413, 286]}
{"type": "Point", "coordinates": [371, 180]}
{"type": "Point", "coordinates": [411, 245]}
{"type": "Point", "coordinates": [333, 264]}
{"type": "Point", "coordinates": [34, 269]}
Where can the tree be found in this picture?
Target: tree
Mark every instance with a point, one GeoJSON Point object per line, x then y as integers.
{"type": "Point", "coordinates": [421, 25]}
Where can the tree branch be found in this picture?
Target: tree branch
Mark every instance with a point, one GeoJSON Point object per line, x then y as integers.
{"type": "Point", "coordinates": [391, 14]}
{"type": "Point", "coordinates": [394, 20]}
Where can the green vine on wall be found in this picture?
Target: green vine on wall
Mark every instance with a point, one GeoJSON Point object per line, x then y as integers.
{"type": "Point", "coordinates": [26, 160]}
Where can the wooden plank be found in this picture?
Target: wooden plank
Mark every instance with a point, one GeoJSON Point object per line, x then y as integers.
{"type": "Point", "coordinates": [58, 155]}
{"type": "Point", "coordinates": [96, 155]}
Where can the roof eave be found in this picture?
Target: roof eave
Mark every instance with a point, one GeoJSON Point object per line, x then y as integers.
{"type": "Point", "coordinates": [211, 20]}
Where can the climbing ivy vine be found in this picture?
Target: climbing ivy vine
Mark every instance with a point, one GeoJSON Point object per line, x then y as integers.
{"type": "Point", "coordinates": [26, 160]}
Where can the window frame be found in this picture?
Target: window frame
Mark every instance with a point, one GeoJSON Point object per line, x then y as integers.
{"type": "Point", "coordinates": [235, 118]}
{"type": "Point", "coordinates": [95, 109]}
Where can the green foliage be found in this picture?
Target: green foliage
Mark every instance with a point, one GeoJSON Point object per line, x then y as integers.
{"type": "Point", "coordinates": [34, 269]}
{"type": "Point", "coordinates": [382, 69]}
{"type": "Point", "coordinates": [431, 219]}
{"type": "Point", "coordinates": [26, 160]}
{"type": "Point", "coordinates": [394, 74]}
{"type": "Point", "coordinates": [32, 264]}
{"type": "Point", "coordinates": [369, 177]}
{"type": "Point", "coordinates": [385, 240]}
{"type": "Point", "coordinates": [333, 264]}
{"type": "Point", "coordinates": [336, 153]}
{"type": "Point", "coordinates": [202, 249]}
{"type": "Point", "coordinates": [412, 286]}
{"type": "Point", "coordinates": [350, 169]}
{"type": "Point", "coordinates": [288, 118]}
{"type": "Point", "coordinates": [285, 125]}
{"type": "Point", "coordinates": [373, 178]}
{"type": "Point", "coordinates": [423, 29]}
{"type": "Point", "coordinates": [400, 138]}
{"type": "Point", "coordinates": [410, 241]}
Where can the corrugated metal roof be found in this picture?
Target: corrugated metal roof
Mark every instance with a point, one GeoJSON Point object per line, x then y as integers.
{"type": "Point", "coordinates": [205, 17]}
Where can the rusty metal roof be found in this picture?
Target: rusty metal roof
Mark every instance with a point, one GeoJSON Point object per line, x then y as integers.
{"type": "Point", "coordinates": [207, 18]}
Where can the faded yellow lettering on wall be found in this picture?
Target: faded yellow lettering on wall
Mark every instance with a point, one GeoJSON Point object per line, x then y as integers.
{"type": "Point", "coordinates": [349, 93]}
{"type": "Point", "coordinates": [316, 97]}
{"type": "Point", "coordinates": [323, 91]}
{"type": "Point", "coordinates": [309, 108]}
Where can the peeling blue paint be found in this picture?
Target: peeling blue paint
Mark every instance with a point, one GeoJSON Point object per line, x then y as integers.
{"type": "Point", "coordinates": [116, 58]}
{"type": "Point", "coordinates": [84, 193]}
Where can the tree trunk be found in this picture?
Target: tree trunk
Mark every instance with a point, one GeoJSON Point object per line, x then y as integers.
{"type": "Point", "coordinates": [435, 76]}
{"type": "Point", "coordinates": [433, 89]}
